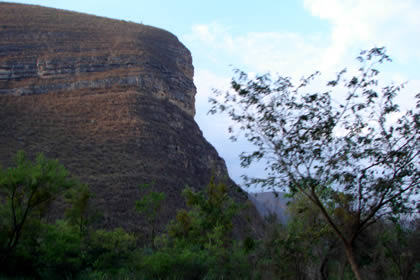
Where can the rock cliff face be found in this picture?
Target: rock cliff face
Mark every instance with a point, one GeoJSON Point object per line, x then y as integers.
{"type": "Point", "coordinates": [112, 100]}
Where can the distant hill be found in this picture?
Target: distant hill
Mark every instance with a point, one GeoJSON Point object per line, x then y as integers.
{"type": "Point", "coordinates": [269, 203]}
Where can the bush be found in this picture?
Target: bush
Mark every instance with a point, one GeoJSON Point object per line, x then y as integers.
{"type": "Point", "coordinates": [61, 251]}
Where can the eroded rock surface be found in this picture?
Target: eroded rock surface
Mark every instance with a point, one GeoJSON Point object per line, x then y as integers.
{"type": "Point", "coordinates": [112, 100]}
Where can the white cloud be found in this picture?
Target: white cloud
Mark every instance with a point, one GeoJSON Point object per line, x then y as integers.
{"type": "Point", "coordinates": [355, 25]}
{"type": "Point", "coordinates": [215, 127]}
{"type": "Point", "coordinates": [205, 81]}
{"type": "Point", "coordinates": [361, 24]}
{"type": "Point", "coordinates": [284, 52]}
{"type": "Point", "coordinates": [214, 34]}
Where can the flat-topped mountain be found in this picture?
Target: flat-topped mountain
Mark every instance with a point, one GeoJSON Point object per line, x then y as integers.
{"type": "Point", "coordinates": [112, 100]}
{"type": "Point", "coordinates": [48, 50]}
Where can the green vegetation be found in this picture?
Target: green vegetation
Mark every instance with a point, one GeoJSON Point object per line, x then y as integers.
{"type": "Point", "coordinates": [198, 244]}
{"type": "Point", "coordinates": [351, 196]}
{"type": "Point", "coordinates": [149, 205]}
{"type": "Point", "coordinates": [33, 248]}
{"type": "Point", "coordinates": [27, 191]}
{"type": "Point", "coordinates": [350, 160]}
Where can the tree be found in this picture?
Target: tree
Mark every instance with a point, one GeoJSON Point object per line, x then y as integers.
{"type": "Point", "coordinates": [199, 242]}
{"type": "Point", "coordinates": [210, 219]}
{"type": "Point", "coordinates": [401, 241]}
{"type": "Point", "coordinates": [26, 192]}
{"type": "Point", "coordinates": [303, 248]}
{"type": "Point", "coordinates": [312, 235]}
{"type": "Point", "coordinates": [149, 205]}
{"type": "Point", "coordinates": [350, 160]}
{"type": "Point", "coordinates": [79, 213]}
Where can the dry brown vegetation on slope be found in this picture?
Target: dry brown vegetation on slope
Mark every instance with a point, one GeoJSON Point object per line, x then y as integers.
{"type": "Point", "coordinates": [112, 100]}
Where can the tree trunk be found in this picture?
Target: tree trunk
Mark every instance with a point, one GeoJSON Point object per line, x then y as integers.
{"type": "Point", "coordinates": [351, 259]}
{"type": "Point", "coordinates": [323, 270]}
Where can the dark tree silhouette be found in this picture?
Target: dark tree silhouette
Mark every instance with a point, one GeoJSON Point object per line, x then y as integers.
{"type": "Point", "coordinates": [349, 159]}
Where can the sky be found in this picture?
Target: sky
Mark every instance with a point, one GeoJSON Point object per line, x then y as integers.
{"type": "Point", "coordinates": [289, 37]}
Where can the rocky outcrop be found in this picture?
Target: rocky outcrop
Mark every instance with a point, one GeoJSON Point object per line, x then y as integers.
{"type": "Point", "coordinates": [112, 100]}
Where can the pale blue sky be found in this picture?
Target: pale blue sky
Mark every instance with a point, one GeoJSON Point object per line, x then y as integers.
{"type": "Point", "coordinates": [178, 16]}
{"type": "Point", "coordinates": [293, 38]}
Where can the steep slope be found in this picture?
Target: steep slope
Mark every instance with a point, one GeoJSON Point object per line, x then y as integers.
{"type": "Point", "coordinates": [112, 100]}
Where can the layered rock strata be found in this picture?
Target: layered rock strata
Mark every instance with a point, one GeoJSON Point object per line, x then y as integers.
{"type": "Point", "coordinates": [112, 100]}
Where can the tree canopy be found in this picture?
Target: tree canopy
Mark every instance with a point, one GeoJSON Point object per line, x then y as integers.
{"type": "Point", "coordinates": [27, 190]}
{"type": "Point", "coordinates": [349, 159]}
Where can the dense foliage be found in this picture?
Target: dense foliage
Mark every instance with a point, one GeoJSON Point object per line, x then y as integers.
{"type": "Point", "coordinates": [30, 246]}
{"type": "Point", "coordinates": [198, 244]}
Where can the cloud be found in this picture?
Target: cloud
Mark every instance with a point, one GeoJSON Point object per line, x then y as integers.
{"type": "Point", "coordinates": [354, 25]}
{"type": "Point", "coordinates": [215, 127]}
{"type": "Point", "coordinates": [215, 34]}
{"type": "Point", "coordinates": [361, 24]}
{"type": "Point", "coordinates": [284, 52]}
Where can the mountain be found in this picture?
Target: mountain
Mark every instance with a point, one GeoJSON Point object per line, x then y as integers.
{"type": "Point", "coordinates": [271, 203]}
{"type": "Point", "coordinates": [112, 100]}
